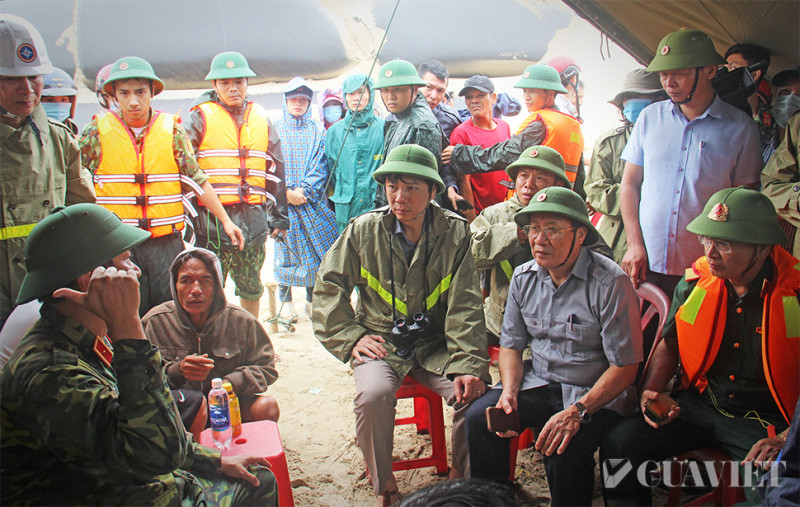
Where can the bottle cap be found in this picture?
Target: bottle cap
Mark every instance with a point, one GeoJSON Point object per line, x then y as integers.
{"type": "Point", "coordinates": [228, 386]}
{"type": "Point", "coordinates": [216, 383]}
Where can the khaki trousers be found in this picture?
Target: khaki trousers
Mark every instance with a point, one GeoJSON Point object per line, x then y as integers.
{"type": "Point", "coordinates": [375, 407]}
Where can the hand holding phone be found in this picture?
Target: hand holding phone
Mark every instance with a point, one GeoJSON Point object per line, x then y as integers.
{"type": "Point", "coordinates": [497, 421]}
{"type": "Point", "coordinates": [658, 409]}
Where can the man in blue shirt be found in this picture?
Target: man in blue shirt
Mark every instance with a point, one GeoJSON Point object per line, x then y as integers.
{"type": "Point", "coordinates": [680, 152]}
{"type": "Point", "coordinates": [578, 312]}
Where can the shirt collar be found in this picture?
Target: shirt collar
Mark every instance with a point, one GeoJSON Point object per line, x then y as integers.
{"type": "Point", "coordinates": [73, 330]}
{"type": "Point", "coordinates": [580, 269]}
{"type": "Point", "coordinates": [714, 110]}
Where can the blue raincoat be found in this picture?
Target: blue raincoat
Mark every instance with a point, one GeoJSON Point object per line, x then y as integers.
{"type": "Point", "coordinates": [354, 149]}
{"type": "Point", "coordinates": [312, 225]}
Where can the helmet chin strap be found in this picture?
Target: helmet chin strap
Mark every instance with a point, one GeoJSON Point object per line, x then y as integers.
{"type": "Point", "coordinates": [752, 263]}
{"type": "Point", "coordinates": [571, 248]}
{"type": "Point", "coordinates": [694, 87]}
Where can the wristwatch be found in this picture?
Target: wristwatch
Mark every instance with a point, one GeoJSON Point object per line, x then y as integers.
{"type": "Point", "coordinates": [583, 413]}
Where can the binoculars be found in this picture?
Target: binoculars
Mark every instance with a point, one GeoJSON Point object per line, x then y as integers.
{"type": "Point", "coordinates": [405, 333]}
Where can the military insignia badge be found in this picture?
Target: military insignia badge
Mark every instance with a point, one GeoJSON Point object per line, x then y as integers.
{"type": "Point", "coordinates": [102, 347]}
{"type": "Point", "coordinates": [541, 197]}
{"type": "Point", "coordinates": [719, 213]}
{"type": "Point", "coordinates": [26, 52]}
{"type": "Point", "coordinates": [664, 50]}
{"type": "Point", "coordinates": [527, 74]}
{"type": "Point", "coordinates": [388, 73]}
{"type": "Point", "coordinates": [229, 64]}
{"type": "Point", "coordinates": [123, 66]}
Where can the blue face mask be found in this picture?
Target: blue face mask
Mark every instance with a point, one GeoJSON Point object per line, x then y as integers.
{"type": "Point", "coordinates": [58, 111]}
{"type": "Point", "coordinates": [633, 107]}
{"type": "Point", "coordinates": [332, 113]}
{"type": "Point", "coordinates": [783, 107]}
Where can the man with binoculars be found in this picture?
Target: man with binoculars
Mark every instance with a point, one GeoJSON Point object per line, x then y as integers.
{"type": "Point", "coordinates": [419, 309]}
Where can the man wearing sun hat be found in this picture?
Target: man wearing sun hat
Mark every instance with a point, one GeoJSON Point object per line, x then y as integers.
{"type": "Point", "coordinates": [413, 123]}
{"type": "Point", "coordinates": [679, 153]}
{"type": "Point", "coordinates": [545, 125]}
{"type": "Point", "coordinates": [240, 151]}
{"type": "Point", "coordinates": [734, 326]}
{"type": "Point", "coordinates": [579, 314]}
{"type": "Point", "coordinates": [40, 167]}
{"type": "Point", "coordinates": [406, 258]}
{"type": "Point", "coordinates": [86, 416]}
{"type": "Point", "coordinates": [142, 163]}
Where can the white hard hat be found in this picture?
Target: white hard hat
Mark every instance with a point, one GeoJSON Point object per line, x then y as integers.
{"type": "Point", "coordinates": [22, 50]}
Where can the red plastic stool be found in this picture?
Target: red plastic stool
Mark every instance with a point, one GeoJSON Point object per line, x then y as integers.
{"type": "Point", "coordinates": [260, 438]}
{"type": "Point", "coordinates": [523, 441]}
{"type": "Point", "coordinates": [494, 354]}
{"type": "Point", "coordinates": [428, 416]}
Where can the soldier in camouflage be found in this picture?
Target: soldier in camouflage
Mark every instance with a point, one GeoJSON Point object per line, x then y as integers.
{"type": "Point", "coordinates": [85, 413]}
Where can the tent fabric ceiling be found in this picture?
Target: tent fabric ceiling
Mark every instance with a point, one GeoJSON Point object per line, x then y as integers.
{"type": "Point", "coordinates": [639, 25]}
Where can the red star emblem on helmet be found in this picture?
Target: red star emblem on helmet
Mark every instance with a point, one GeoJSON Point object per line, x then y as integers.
{"type": "Point", "coordinates": [719, 213]}
{"type": "Point", "coordinates": [664, 50]}
{"type": "Point", "coordinates": [541, 197]}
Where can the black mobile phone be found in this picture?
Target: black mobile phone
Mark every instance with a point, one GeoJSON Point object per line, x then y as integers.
{"type": "Point", "coordinates": [497, 421]}
{"type": "Point", "coordinates": [658, 409]}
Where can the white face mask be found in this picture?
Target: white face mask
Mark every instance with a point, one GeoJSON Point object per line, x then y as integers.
{"type": "Point", "coordinates": [783, 107]}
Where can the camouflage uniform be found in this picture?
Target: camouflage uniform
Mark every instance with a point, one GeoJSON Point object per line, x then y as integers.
{"type": "Point", "coordinates": [78, 431]}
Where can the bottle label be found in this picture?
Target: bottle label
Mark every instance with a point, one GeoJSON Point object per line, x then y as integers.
{"type": "Point", "coordinates": [220, 418]}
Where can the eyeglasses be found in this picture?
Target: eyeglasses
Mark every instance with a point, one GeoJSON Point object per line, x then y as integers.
{"type": "Point", "coordinates": [723, 247]}
{"type": "Point", "coordinates": [549, 232]}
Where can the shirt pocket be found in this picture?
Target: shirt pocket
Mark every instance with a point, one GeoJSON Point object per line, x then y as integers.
{"type": "Point", "coordinates": [537, 327]}
{"type": "Point", "coordinates": [583, 341]}
{"type": "Point", "coordinates": [227, 351]}
{"type": "Point", "coordinates": [174, 353]}
{"type": "Point", "coordinates": [713, 169]}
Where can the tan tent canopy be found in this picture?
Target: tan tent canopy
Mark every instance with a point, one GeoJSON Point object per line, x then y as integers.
{"type": "Point", "coordinates": [639, 25]}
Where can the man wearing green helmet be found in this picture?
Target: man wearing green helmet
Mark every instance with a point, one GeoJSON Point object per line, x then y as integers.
{"type": "Point", "coordinates": [414, 123]}
{"type": "Point", "coordinates": [87, 417]}
{"type": "Point", "coordinates": [419, 309]}
{"type": "Point", "coordinates": [545, 125]}
{"type": "Point", "coordinates": [240, 151]}
{"type": "Point", "coordinates": [498, 243]}
{"type": "Point", "coordinates": [679, 153]}
{"type": "Point", "coordinates": [734, 328]}
{"type": "Point", "coordinates": [579, 314]}
{"type": "Point", "coordinates": [142, 165]}
{"type": "Point", "coordinates": [40, 167]}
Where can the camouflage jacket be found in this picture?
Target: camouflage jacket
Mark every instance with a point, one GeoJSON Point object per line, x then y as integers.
{"type": "Point", "coordinates": [78, 431]}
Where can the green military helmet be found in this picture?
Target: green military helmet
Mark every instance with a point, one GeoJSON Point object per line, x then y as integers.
{"type": "Point", "coordinates": [229, 65]}
{"type": "Point", "coordinates": [541, 76]}
{"type": "Point", "coordinates": [398, 73]}
{"type": "Point", "coordinates": [685, 49]}
{"type": "Point", "coordinates": [561, 201]}
{"type": "Point", "coordinates": [739, 214]}
{"type": "Point", "coordinates": [132, 67]}
{"type": "Point", "coordinates": [410, 159]}
{"type": "Point", "coordinates": [70, 242]}
{"type": "Point", "coordinates": [540, 157]}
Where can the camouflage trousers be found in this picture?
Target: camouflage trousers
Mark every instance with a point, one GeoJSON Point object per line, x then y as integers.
{"type": "Point", "coordinates": [245, 269]}
{"type": "Point", "coordinates": [222, 491]}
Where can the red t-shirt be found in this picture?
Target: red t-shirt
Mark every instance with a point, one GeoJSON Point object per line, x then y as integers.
{"type": "Point", "coordinates": [486, 187]}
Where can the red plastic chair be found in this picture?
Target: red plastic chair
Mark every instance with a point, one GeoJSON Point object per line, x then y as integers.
{"type": "Point", "coordinates": [260, 438]}
{"type": "Point", "coordinates": [429, 418]}
{"type": "Point", "coordinates": [652, 302]}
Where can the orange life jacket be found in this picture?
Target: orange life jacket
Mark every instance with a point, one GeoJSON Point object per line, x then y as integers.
{"type": "Point", "coordinates": [236, 160]}
{"type": "Point", "coordinates": [563, 134]}
{"type": "Point", "coordinates": [143, 187]}
{"type": "Point", "coordinates": [700, 323]}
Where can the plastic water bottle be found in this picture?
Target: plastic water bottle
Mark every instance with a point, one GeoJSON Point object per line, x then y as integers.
{"type": "Point", "coordinates": [220, 414]}
{"type": "Point", "coordinates": [233, 403]}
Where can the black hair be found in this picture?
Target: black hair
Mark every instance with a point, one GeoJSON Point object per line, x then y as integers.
{"type": "Point", "coordinates": [394, 178]}
{"type": "Point", "coordinates": [752, 54]}
{"type": "Point", "coordinates": [435, 67]}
